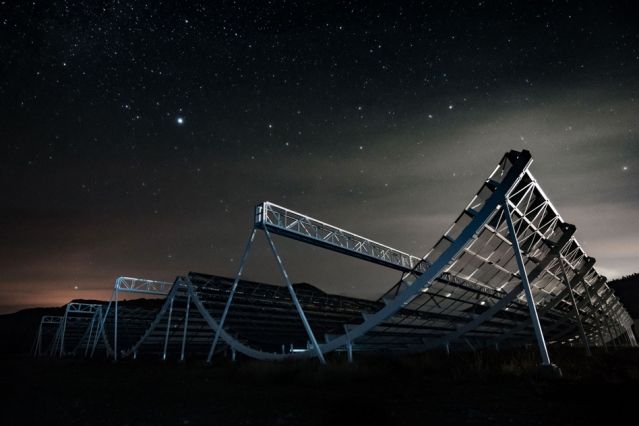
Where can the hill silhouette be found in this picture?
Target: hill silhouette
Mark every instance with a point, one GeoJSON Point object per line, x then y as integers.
{"type": "Point", "coordinates": [627, 289]}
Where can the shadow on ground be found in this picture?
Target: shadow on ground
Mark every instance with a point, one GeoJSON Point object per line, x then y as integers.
{"type": "Point", "coordinates": [468, 388]}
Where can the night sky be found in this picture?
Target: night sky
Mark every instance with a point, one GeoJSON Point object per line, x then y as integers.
{"type": "Point", "coordinates": [137, 137]}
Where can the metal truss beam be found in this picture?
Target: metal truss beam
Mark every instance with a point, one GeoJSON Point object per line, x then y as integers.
{"type": "Point", "coordinates": [298, 226]}
{"type": "Point", "coordinates": [129, 285]}
{"type": "Point", "coordinates": [166, 306]}
{"type": "Point", "coordinates": [507, 237]}
{"type": "Point", "coordinates": [78, 309]}
{"type": "Point", "coordinates": [282, 221]}
{"type": "Point", "coordinates": [48, 321]}
{"type": "Point", "coordinates": [582, 333]}
{"type": "Point", "coordinates": [520, 163]}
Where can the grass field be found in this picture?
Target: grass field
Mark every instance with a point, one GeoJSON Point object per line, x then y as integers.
{"type": "Point", "coordinates": [467, 388]}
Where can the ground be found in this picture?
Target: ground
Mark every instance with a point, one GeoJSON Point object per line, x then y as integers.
{"type": "Point", "coordinates": [467, 388]}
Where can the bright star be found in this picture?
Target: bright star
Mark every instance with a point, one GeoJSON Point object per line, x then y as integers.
{"type": "Point", "coordinates": [625, 168]}
{"type": "Point", "coordinates": [180, 120]}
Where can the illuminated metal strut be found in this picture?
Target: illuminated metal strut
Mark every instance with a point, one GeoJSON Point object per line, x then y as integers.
{"type": "Point", "coordinates": [286, 222]}
{"type": "Point", "coordinates": [508, 269]}
{"type": "Point", "coordinates": [505, 245]}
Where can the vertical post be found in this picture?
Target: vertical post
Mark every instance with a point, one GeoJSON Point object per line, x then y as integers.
{"type": "Point", "coordinates": [64, 329]}
{"type": "Point", "coordinates": [626, 337]}
{"type": "Point", "coordinates": [98, 332]}
{"type": "Point", "coordinates": [631, 336]}
{"type": "Point", "coordinates": [296, 302]}
{"type": "Point", "coordinates": [94, 334]}
{"type": "Point", "coordinates": [447, 348]}
{"type": "Point", "coordinates": [53, 347]}
{"type": "Point", "coordinates": [103, 318]}
{"type": "Point", "coordinates": [115, 324]}
{"type": "Point", "coordinates": [617, 325]}
{"type": "Point", "coordinates": [168, 328]}
{"type": "Point", "coordinates": [606, 319]}
{"type": "Point", "coordinates": [545, 358]}
{"type": "Point", "coordinates": [582, 333]}
{"type": "Point", "coordinates": [186, 326]}
{"type": "Point", "coordinates": [88, 343]}
{"type": "Point", "coordinates": [220, 326]}
{"type": "Point", "coordinates": [623, 330]}
{"type": "Point", "coordinates": [620, 327]}
{"type": "Point", "coordinates": [623, 337]}
{"type": "Point", "coordinates": [595, 312]}
{"type": "Point", "coordinates": [349, 344]}
{"type": "Point", "coordinates": [232, 354]}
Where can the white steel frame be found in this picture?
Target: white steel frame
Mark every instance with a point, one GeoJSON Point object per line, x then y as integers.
{"type": "Point", "coordinates": [549, 274]}
{"type": "Point", "coordinates": [295, 225]}
{"type": "Point", "coordinates": [129, 285]}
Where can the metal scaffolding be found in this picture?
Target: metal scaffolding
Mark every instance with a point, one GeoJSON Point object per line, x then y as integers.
{"type": "Point", "coordinates": [70, 334]}
{"type": "Point", "coordinates": [508, 271]}
{"type": "Point", "coordinates": [128, 285]}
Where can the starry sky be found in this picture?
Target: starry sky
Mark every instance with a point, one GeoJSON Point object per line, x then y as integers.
{"type": "Point", "coordinates": [137, 137]}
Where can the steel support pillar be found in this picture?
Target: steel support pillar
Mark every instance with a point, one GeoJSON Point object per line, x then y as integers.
{"type": "Point", "coordinates": [349, 351]}
{"type": "Point", "coordinates": [349, 345]}
{"type": "Point", "coordinates": [595, 312]}
{"type": "Point", "coordinates": [168, 328]}
{"type": "Point", "coordinates": [631, 336]}
{"type": "Point", "coordinates": [296, 302]}
{"type": "Point", "coordinates": [115, 324]}
{"type": "Point", "coordinates": [618, 330]}
{"type": "Point", "coordinates": [245, 256]}
{"type": "Point", "coordinates": [87, 344]}
{"type": "Point", "coordinates": [56, 340]}
{"type": "Point", "coordinates": [63, 332]}
{"type": "Point", "coordinates": [541, 342]}
{"type": "Point", "coordinates": [186, 326]}
{"type": "Point", "coordinates": [98, 333]}
{"type": "Point", "coordinates": [582, 333]}
{"type": "Point", "coordinates": [607, 321]}
{"type": "Point", "coordinates": [101, 326]}
{"type": "Point", "coordinates": [622, 331]}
